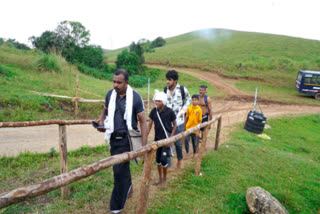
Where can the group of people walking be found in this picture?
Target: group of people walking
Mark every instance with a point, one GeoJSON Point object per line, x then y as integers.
{"type": "Point", "coordinates": [175, 111]}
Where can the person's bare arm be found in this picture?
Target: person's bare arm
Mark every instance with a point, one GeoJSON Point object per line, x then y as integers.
{"type": "Point", "coordinates": [210, 108]}
{"type": "Point", "coordinates": [185, 122]}
{"type": "Point", "coordinates": [143, 127]}
{"type": "Point", "coordinates": [149, 126]}
{"type": "Point", "coordinates": [174, 128]}
{"type": "Point", "coordinates": [102, 117]}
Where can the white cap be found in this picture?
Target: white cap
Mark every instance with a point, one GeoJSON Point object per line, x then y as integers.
{"type": "Point", "coordinates": [160, 96]}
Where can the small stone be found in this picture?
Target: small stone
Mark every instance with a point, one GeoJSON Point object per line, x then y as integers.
{"type": "Point", "coordinates": [267, 126]}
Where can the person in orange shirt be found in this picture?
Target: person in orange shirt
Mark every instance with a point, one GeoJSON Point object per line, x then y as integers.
{"type": "Point", "coordinates": [192, 119]}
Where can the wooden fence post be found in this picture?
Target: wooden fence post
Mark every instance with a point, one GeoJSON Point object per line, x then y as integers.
{"type": "Point", "coordinates": [218, 134]}
{"type": "Point", "coordinates": [63, 157]}
{"type": "Point", "coordinates": [201, 150]}
{"type": "Point", "coordinates": [77, 95]}
{"type": "Point", "coordinates": [145, 184]}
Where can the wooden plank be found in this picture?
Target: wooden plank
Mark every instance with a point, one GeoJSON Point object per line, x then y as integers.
{"type": "Point", "coordinates": [77, 96]}
{"type": "Point", "coordinates": [43, 122]}
{"type": "Point", "coordinates": [145, 183]}
{"type": "Point", "coordinates": [201, 151]}
{"type": "Point", "coordinates": [218, 134]}
{"type": "Point", "coordinates": [63, 157]}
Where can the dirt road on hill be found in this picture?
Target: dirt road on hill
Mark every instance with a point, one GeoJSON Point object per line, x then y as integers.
{"type": "Point", "coordinates": [210, 77]}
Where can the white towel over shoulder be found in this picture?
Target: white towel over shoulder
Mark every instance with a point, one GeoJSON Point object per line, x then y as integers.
{"type": "Point", "coordinates": [109, 122]}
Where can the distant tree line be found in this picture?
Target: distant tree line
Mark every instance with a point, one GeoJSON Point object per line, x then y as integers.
{"type": "Point", "coordinates": [71, 40]}
{"type": "Point", "coordinates": [13, 44]}
{"type": "Point", "coordinates": [133, 59]}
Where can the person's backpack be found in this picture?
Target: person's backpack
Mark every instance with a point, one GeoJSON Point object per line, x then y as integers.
{"type": "Point", "coordinates": [206, 100]}
{"type": "Point", "coordinates": [182, 93]}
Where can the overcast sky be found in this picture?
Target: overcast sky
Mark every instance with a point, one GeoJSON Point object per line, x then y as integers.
{"type": "Point", "coordinates": [116, 23]}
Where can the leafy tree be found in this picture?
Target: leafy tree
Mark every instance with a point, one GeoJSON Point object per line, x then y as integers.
{"type": "Point", "coordinates": [71, 40]}
{"type": "Point", "coordinates": [47, 41]}
{"type": "Point", "coordinates": [73, 33]}
{"type": "Point", "coordinates": [158, 42]}
{"type": "Point", "coordinates": [138, 49]}
{"type": "Point", "coordinates": [90, 55]}
{"type": "Point", "coordinates": [14, 44]}
{"type": "Point", "coordinates": [128, 61]}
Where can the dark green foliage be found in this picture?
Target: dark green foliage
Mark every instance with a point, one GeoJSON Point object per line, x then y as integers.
{"type": "Point", "coordinates": [14, 44]}
{"type": "Point", "coordinates": [158, 42]}
{"type": "Point", "coordinates": [48, 62]}
{"type": "Point", "coordinates": [73, 33]}
{"type": "Point", "coordinates": [152, 73]}
{"type": "Point", "coordinates": [138, 49]}
{"type": "Point", "coordinates": [47, 41]}
{"type": "Point", "coordinates": [97, 73]}
{"type": "Point", "coordinates": [89, 55]}
{"type": "Point", "coordinates": [128, 61]}
{"type": "Point", "coordinates": [70, 39]}
{"type": "Point", "coordinates": [5, 73]}
{"type": "Point", "coordinates": [138, 81]}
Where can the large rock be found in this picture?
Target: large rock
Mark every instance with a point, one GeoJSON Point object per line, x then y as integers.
{"type": "Point", "coordinates": [260, 201]}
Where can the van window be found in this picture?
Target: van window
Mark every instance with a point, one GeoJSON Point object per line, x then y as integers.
{"type": "Point", "coordinates": [314, 79]}
{"type": "Point", "coordinates": [299, 77]}
{"type": "Point", "coordinates": [307, 79]}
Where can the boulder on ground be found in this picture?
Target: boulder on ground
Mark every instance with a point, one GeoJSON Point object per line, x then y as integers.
{"type": "Point", "coordinates": [260, 201]}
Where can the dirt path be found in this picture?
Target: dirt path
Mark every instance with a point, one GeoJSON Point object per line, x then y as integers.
{"type": "Point", "coordinates": [212, 78]}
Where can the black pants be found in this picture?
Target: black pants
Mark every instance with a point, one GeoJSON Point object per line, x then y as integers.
{"type": "Point", "coordinates": [121, 174]}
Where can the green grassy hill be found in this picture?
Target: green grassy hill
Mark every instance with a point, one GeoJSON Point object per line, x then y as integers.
{"type": "Point", "coordinates": [20, 76]}
{"type": "Point", "coordinates": [273, 59]}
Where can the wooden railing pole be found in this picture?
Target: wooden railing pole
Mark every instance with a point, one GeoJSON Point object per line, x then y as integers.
{"type": "Point", "coordinates": [218, 134]}
{"type": "Point", "coordinates": [77, 96]}
{"type": "Point", "coordinates": [63, 157]}
{"type": "Point", "coordinates": [202, 148]}
{"type": "Point", "coordinates": [145, 184]}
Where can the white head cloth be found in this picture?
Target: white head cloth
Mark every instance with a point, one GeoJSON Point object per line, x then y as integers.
{"type": "Point", "coordinates": [161, 96]}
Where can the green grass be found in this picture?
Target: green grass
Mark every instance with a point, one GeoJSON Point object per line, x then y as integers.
{"type": "Point", "coordinates": [19, 78]}
{"type": "Point", "coordinates": [273, 58]}
{"type": "Point", "coordinates": [90, 195]}
{"type": "Point", "coordinates": [287, 166]}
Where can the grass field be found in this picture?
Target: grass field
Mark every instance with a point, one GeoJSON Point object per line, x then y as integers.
{"type": "Point", "coordinates": [287, 166]}
{"type": "Point", "coordinates": [19, 103]}
{"type": "Point", "coordinates": [275, 59]}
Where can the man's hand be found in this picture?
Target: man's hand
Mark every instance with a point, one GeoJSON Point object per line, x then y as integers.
{"type": "Point", "coordinates": [101, 129]}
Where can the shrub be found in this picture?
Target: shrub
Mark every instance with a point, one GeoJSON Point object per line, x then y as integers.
{"type": "Point", "coordinates": [97, 73]}
{"type": "Point", "coordinates": [128, 61]}
{"type": "Point", "coordinates": [49, 62]}
{"type": "Point", "coordinates": [152, 73]}
{"type": "Point", "coordinates": [138, 81]}
{"type": "Point", "coordinates": [158, 42]}
{"type": "Point", "coordinates": [5, 73]}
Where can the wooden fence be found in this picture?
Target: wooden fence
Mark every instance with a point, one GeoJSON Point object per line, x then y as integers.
{"type": "Point", "coordinates": [62, 180]}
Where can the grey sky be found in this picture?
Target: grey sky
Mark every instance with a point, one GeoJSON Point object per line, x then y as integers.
{"type": "Point", "coordinates": [116, 23]}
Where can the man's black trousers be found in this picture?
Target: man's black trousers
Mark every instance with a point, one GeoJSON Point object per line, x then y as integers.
{"type": "Point", "coordinates": [121, 174]}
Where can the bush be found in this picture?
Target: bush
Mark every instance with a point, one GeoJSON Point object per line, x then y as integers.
{"type": "Point", "coordinates": [152, 73]}
{"type": "Point", "coordinates": [5, 73]}
{"type": "Point", "coordinates": [97, 73]}
{"type": "Point", "coordinates": [138, 81]}
{"type": "Point", "coordinates": [158, 42]}
{"type": "Point", "coordinates": [128, 61]}
{"type": "Point", "coordinates": [49, 62]}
